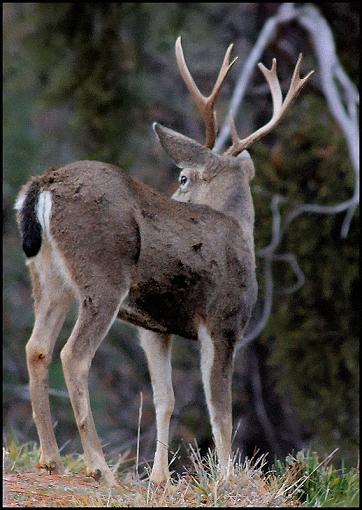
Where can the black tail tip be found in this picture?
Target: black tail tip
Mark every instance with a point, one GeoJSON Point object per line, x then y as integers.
{"type": "Point", "coordinates": [31, 246]}
{"type": "Point", "coordinates": [29, 224]}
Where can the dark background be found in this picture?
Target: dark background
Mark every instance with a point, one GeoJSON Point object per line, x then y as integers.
{"type": "Point", "coordinates": [86, 81]}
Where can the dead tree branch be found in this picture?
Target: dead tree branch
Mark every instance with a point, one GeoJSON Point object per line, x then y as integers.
{"type": "Point", "coordinates": [342, 99]}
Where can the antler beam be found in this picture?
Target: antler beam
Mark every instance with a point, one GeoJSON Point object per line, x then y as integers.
{"type": "Point", "coordinates": [203, 103]}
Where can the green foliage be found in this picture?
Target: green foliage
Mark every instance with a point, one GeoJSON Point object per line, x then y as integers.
{"type": "Point", "coordinates": [20, 457]}
{"type": "Point", "coordinates": [316, 483]}
{"type": "Point", "coordinates": [83, 61]}
{"type": "Point", "coordinates": [24, 457]}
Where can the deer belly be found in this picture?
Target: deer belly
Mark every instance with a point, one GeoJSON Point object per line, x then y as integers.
{"type": "Point", "coordinates": [167, 311]}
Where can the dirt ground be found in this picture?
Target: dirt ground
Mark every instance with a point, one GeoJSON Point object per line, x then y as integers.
{"type": "Point", "coordinates": [33, 490]}
{"type": "Point", "coordinates": [77, 490]}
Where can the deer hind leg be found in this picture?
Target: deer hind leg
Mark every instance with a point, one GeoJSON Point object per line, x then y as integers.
{"type": "Point", "coordinates": [158, 352]}
{"type": "Point", "coordinates": [51, 302]}
{"type": "Point", "coordinates": [216, 368]}
{"type": "Point", "coordinates": [97, 312]}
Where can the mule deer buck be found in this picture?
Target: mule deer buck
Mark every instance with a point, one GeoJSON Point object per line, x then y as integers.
{"type": "Point", "coordinates": [183, 265]}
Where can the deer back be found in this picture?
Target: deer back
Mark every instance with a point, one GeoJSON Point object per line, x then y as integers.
{"type": "Point", "coordinates": [176, 254]}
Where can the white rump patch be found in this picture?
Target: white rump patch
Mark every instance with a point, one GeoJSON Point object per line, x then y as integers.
{"type": "Point", "coordinates": [19, 202]}
{"type": "Point", "coordinates": [43, 211]}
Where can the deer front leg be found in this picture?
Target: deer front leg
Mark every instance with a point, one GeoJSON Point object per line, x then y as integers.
{"type": "Point", "coordinates": [50, 306]}
{"type": "Point", "coordinates": [158, 352]}
{"type": "Point", "coordinates": [96, 316]}
{"type": "Point", "coordinates": [216, 368]}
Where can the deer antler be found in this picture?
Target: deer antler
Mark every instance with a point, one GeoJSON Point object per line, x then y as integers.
{"type": "Point", "coordinates": [204, 104]}
{"type": "Point", "coordinates": [279, 107]}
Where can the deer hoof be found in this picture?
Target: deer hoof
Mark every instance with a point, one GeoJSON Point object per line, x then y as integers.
{"type": "Point", "coordinates": [51, 466]}
{"type": "Point", "coordinates": [104, 476]}
{"type": "Point", "coordinates": [96, 474]}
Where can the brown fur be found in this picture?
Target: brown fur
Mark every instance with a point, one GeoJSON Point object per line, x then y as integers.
{"type": "Point", "coordinates": [170, 276]}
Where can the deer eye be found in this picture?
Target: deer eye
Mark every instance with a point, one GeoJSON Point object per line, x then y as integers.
{"type": "Point", "coordinates": [184, 181]}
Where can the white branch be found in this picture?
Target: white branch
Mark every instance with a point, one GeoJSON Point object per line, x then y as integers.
{"type": "Point", "coordinates": [330, 69]}
{"type": "Point", "coordinates": [268, 275]}
{"type": "Point", "coordinates": [260, 409]}
{"type": "Point", "coordinates": [292, 261]}
{"type": "Point", "coordinates": [330, 72]}
{"type": "Point", "coordinates": [272, 246]}
{"type": "Point", "coordinates": [267, 306]}
{"type": "Point", "coordinates": [22, 391]}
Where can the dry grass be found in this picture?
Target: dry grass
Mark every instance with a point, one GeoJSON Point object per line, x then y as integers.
{"type": "Point", "coordinates": [200, 486]}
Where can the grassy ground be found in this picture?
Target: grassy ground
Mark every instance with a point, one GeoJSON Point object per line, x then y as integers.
{"type": "Point", "coordinates": [301, 481]}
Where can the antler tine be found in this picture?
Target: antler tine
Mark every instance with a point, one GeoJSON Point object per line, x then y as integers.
{"type": "Point", "coordinates": [274, 85]}
{"type": "Point", "coordinates": [224, 69]}
{"type": "Point", "coordinates": [233, 131]}
{"type": "Point", "coordinates": [186, 75]}
{"type": "Point", "coordinates": [280, 107]}
{"type": "Point", "coordinates": [204, 104]}
{"type": "Point", "coordinates": [296, 84]}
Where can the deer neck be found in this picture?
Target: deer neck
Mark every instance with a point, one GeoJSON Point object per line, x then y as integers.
{"type": "Point", "coordinates": [236, 201]}
{"type": "Point", "coordinates": [232, 196]}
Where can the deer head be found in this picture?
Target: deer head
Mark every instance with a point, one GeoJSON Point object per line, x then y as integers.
{"type": "Point", "coordinates": [218, 179]}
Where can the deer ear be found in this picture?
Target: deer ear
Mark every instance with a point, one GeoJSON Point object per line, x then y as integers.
{"type": "Point", "coordinates": [184, 151]}
{"type": "Point", "coordinates": [246, 163]}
